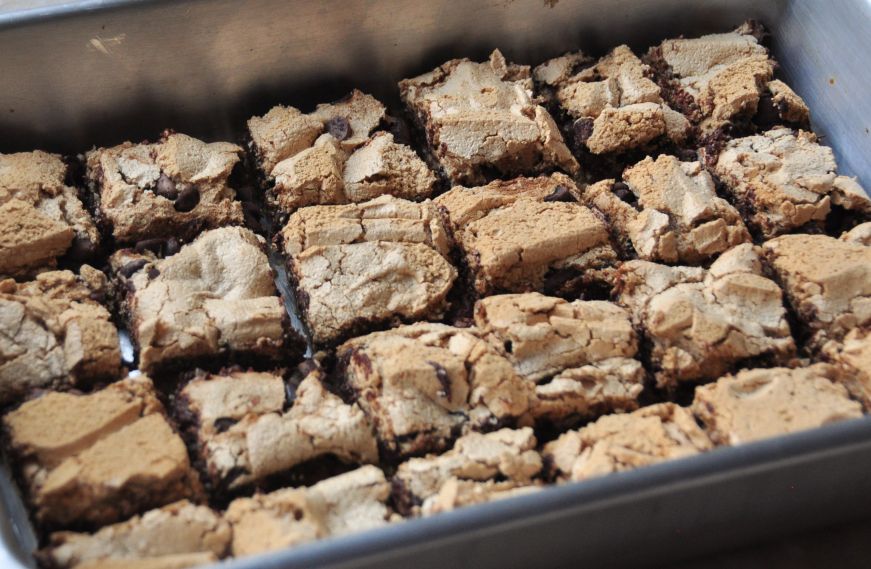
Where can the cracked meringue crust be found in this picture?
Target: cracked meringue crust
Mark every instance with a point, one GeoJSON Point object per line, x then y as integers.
{"type": "Point", "coordinates": [424, 384]}
{"type": "Point", "coordinates": [178, 532]}
{"type": "Point", "coordinates": [246, 432]}
{"type": "Point", "coordinates": [482, 119]}
{"type": "Point", "coordinates": [703, 323]}
{"type": "Point", "coordinates": [176, 187]}
{"type": "Point", "coordinates": [614, 95]}
{"type": "Point", "coordinates": [785, 180]}
{"type": "Point", "coordinates": [53, 334]}
{"type": "Point", "coordinates": [622, 442]}
{"type": "Point", "coordinates": [676, 215]}
{"type": "Point", "coordinates": [351, 502]}
{"type": "Point", "coordinates": [555, 245]}
{"type": "Point", "coordinates": [213, 298]}
{"type": "Point", "coordinates": [41, 217]}
{"type": "Point", "coordinates": [505, 455]}
{"type": "Point", "coordinates": [358, 267]}
{"type": "Point", "coordinates": [761, 403]}
{"type": "Point", "coordinates": [827, 282]}
{"type": "Point", "coordinates": [99, 458]}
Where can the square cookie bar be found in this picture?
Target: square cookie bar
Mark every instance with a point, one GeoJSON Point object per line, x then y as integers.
{"type": "Point", "coordinates": [613, 104]}
{"type": "Point", "coordinates": [703, 323]}
{"type": "Point", "coordinates": [335, 155]}
{"type": "Point", "coordinates": [507, 456]}
{"type": "Point", "coordinates": [424, 384]}
{"type": "Point", "coordinates": [54, 333]}
{"type": "Point", "coordinates": [41, 217]}
{"type": "Point", "coordinates": [482, 121]}
{"type": "Point", "coordinates": [530, 234]}
{"type": "Point", "coordinates": [176, 187]}
{"type": "Point", "coordinates": [784, 180]}
{"type": "Point", "coordinates": [760, 403]}
{"type": "Point", "coordinates": [616, 443]}
{"type": "Point", "coordinates": [247, 427]}
{"type": "Point", "coordinates": [212, 301]}
{"type": "Point", "coordinates": [668, 211]}
{"type": "Point", "coordinates": [359, 267]}
{"type": "Point", "coordinates": [723, 79]}
{"type": "Point", "coordinates": [348, 503]}
{"type": "Point", "coordinates": [181, 534]}
{"type": "Point", "coordinates": [580, 355]}
{"type": "Point", "coordinates": [852, 356]}
{"type": "Point", "coordinates": [827, 282]}
{"type": "Point", "coordinates": [97, 459]}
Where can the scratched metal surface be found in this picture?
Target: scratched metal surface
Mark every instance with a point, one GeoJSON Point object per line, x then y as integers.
{"type": "Point", "coordinates": [75, 74]}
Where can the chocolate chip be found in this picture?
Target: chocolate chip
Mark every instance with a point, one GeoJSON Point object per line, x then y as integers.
{"type": "Point", "coordinates": [127, 270]}
{"type": "Point", "coordinates": [166, 188]}
{"type": "Point", "coordinates": [82, 248]}
{"type": "Point", "coordinates": [224, 423]}
{"type": "Point", "coordinates": [172, 246]}
{"type": "Point", "coordinates": [687, 155]}
{"type": "Point", "coordinates": [767, 113]}
{"type": "Point", "coordinates": [622, 191]}
{"type": "Point", "coordinates": [339, 127]}
{"type": "Point", "coordinates": [154, 245]}
{"type": "Point", "coordinates": [188, 198]}
{"type": "Point", "coordinates": [560, 194]}
{"type": "Point", "coordinates": [444, 379]}
{"type": "Point", "coordinates": [307, 366]}
{"type": "Point", "coordinates": [153, 273]}
{"type": "Point", "coordinates": [582, 129]}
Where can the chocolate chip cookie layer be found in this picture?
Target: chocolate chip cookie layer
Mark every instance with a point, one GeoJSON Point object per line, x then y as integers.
{"type": "Point", "coordinates": [97, 459]}
{"type": "Point", "coordinates": [175, 187]}
{"type": "Point", "coordinates": [703, 323]}
{"type": "Point", "coordinates": [212, 301]}
{"type": "Point", "coordinates": [530, 234]}
{"type": "Point", "coordinates": [613, 103]}
{"type": "Point", "coordinates": [424, 384]}
{"type": "Point", "coordinates": [247, 430]}
{"type": "Point", "coordinates": [481, 120]}
{"type": "Point", "coordinates": [41, 217]}
{"type": "Point", "coordinates": [668, 211]}
{"type": "Point", "coordinates": [358, 267]}
{"type": "Point", "coordinates": [54, 334]}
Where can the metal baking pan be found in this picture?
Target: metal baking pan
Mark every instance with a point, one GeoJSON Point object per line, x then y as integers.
{"type": "Point", "coordinates": [76, 74]}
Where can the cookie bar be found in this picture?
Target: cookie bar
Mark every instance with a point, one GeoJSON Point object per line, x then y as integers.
{"type": "Point", "coordinates": [482, 121]}
{"type": "Point", "coordinates": [348, 503]}
{"type": "Point", "coordinates": [861, 235]}
{"type": "Point", "coordinates": [247, 429]}
{"type": "Point", "coordinates": [54, 333]}
{"type": "Point", "coordinates": [425, 383]}
{"type": "Point", "coordinates": [335, 156]}
{"type": "Point", "coordinates": [784, 180]}
{"type": "Point", "coordinates": [613, 104]}
{"type": "Point", "coordinates": [827, 282]}
{"type": "Point", "coordinates": [286, 131]}
{"type": "Point", "coordinates": [41, 217]}
{"type": "Point", "coordinates": [180, 533]}
{"type": "Point", "coordinates": [723, 79]}
{"type": "Point", "coordinates": [580, 354]}
{"type": "Point", "coordinates": [459, 493]}
{"type": "Point", "coordinates": [176, 187]}
{"type": "Point", "coordinates": [853, 358]}
{"type": "Point", "coordinates": [530, 234]}
{"type": "Point", "coordinates": [668, 211]}
{"type": "Point", "coordinates": [703, 323]}
{"type": "Point", "coordinates": [99, 458]}
{"type": "Point", "coordinates": [505, 455]}
{"type": "Point", "coordinates": [215, 297]}
{"type": "Point", "coordinates": [622, 442]}
{"type": "Point", "coordinates": [761, 403]}
{"type": "Point", "coordinates": [358, 267]}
